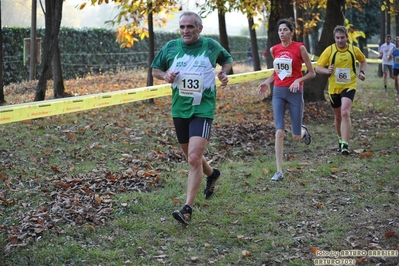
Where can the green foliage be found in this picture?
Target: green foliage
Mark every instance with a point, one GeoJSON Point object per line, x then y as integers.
{"type": "Point", "coordinates": [95, 51]}
{"type": "Point", "coordinates": [14, 69]}
{"type": "Point", "coordinates": [367, 18]}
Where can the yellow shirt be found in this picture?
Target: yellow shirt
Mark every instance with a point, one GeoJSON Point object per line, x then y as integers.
{"type": "Point", "coordinates": [344, 75]}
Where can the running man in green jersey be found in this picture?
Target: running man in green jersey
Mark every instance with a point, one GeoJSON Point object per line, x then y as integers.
{"type": "Point", "coordinates": [188, 63]}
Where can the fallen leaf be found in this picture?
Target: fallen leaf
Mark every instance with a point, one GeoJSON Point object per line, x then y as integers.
{"type": "Point", "coordinates": [62, 184]}
{"type": "Point", "coordinates": [98, 199]}
{"type": "Point", "coordinates": [246, 253]}
{"type": "Point", "coordinates": [129, 172]}
{"type": "Point", "coordinates": [366, 155]}
{"type": "Point", "coordinates": [71, 137]}
{"type": "Point", "coordinates": [314, 250]}
{"type": "Point", "coordinates": [175, 201]}
{"type": "Point", "coordinates": [91, 228]}
{"type": "Point", "coordinates": [54, 168]}
{"type": "Point", "coordinates": [46, 152]}
{"type": "Point", "coordinates": [359, 260]}
{"type": "Point", "coordinates": [374, 245]}
{"type": "Point", "coordinates": [334, 170]}
{"type": "Point", "coordinates": [358, 151]}
{"type": "Point", "coordinates": [111, 176]}
{"type": "Point", "coordinates": [389, 234]}
{"type": "Point", "coordinates": [82, 6]}
{"type": "Point", "coordinates": [13, 239]}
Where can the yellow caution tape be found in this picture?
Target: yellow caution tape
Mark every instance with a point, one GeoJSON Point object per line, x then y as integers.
{"type": "Point", "coordinates": [374, 61]}
{"type": "Point", "coordinates": [32, 110]}
{"type": "Point", "coordinates": [251, 76]}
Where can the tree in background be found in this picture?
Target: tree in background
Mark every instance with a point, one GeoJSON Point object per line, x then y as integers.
{"type": "Point", "coordinates": [58, 79]}
{"type": "Point", "coordinates": [364, 16]}
{"type": "Point", "coordinates": [151, 46]}
{"type": "Point", "coordinates": [223, 37]}
{"type": "Point", "coordinates": [140, 18]}
{"type": "Point", "coordinates": [222, 7]}
{"type": "Point", "coordinates": [254, 44]}
{"type": "Point", "coordinates": [53, 16]}
{"type": "Point", "coordinates": [395, 8]}
{"type": "Point", "coordinates": [2, 100]}
{"type": "Point", "coordinates": [308, 17]}
{"type": "Point", "coordinates": [253, 9]}
{"type": "Point", "coordinates": [387, 6]}
{"type": "Point", "coordinates": [335, 15]}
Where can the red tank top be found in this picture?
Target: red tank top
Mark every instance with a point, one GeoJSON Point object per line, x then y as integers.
{"type": "Point", "coordinates": [288, 63]}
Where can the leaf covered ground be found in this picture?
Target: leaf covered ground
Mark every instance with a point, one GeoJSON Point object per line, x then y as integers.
{"type": "Point", "coordinates": [71, 177]}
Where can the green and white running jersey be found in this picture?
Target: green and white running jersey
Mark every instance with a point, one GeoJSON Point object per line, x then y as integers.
{"type": "Point", "coordinates": [194, 89]}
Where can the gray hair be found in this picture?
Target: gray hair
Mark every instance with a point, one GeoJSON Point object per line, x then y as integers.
{"type": "Point", "coordinates": [198, 20]}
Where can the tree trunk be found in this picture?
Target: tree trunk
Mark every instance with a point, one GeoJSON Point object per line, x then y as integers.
{"type": "Point", "coordinates": [2, 100]}
{"type": "Point", "coordinates": [397, 23]}
{"type": "Point", "coordinates": [52, 18]}
{"type": "Point", "coordinates": [388, 14]}
{"type": "Point", "coordinates": [314, 89]}
{"type": "Point", "coordinates": [302, 36]}
{"type": "Point", "coordinates": [58, 87]}
{"type": "Point", "coordinates": [382, 38]}
{"type": "Point", "coordinates": [254, 45]}
{"type": "Point", "coordinates": [306, 42]}
{"type": "Point", "coordinates": [383, 25]}
{"type": "Point", "coordinates": [33, 44]}
{"type": "Point", "coordinates": [151, 52]}
{"type": "Point", "coordinates": [363, 46]}
{"type": "Point", "coordinates": [224, 40]}
{"type": "Point", "coordinates": [299, 22]}
{"type": "Point", "coordinates": [397, 20]}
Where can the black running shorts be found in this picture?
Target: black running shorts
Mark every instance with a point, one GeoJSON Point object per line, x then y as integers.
{"type": "Point", "coordinates": [190, 127]}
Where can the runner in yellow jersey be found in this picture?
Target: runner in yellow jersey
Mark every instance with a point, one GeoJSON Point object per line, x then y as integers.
{"type": "Point", "coordinates": [339, 61]}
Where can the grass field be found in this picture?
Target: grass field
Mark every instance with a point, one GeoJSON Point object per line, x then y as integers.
{"type": "Point", "coordinates": [99, 187]}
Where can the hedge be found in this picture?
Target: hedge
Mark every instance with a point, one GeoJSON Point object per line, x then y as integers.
{"type": "Point", "coordinates": [90, 50]}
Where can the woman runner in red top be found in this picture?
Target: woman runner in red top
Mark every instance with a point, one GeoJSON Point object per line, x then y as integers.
{"type": "Point", "coordinates": [288, 81]}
